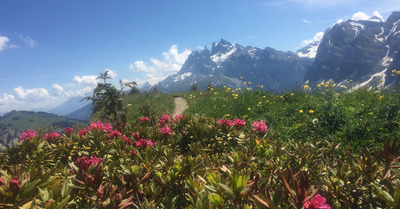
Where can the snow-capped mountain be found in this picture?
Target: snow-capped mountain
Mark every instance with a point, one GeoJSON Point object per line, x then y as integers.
{"type": "Point", "coordinates": [309, 51]}
{"type": "Point", "coordinates": [363, 51]}
{"type": "Point", "coordinates": [226, 63]}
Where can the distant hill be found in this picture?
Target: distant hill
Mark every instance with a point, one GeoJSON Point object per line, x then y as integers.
{"type": "Point", "coordinates": [70, 105]}
{"type": "Point", "coordinates": [83, 113]}
{"type": "Point", "coordinates": [24, 120]}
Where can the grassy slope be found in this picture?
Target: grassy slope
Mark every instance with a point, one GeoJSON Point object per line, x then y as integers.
{"type": "Point", "coordinates": [358, 118]}
{"type": "Point", "coordinates": [23, 120]}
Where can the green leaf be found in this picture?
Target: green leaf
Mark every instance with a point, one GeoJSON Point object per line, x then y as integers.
{"type": "Point", "coordinates": [29, 187]}
{"type": "Point", "coordinates": [225, 187]}
{"type": "Point", "coordinates": [385, 195]}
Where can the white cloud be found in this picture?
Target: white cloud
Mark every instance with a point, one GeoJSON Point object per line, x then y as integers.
{"type": "Point", "coordinates": [306, 21]}
{"type": "Point", "coordinates": [317, 37]}
{"type": "Point", "coordinates": [6, 99]}
{"type": "Point", "coordinates": [157, 70]}
{"type": "Point", "coordinates": [29, 41]}
{"type": "Point", "coordinates": [3, 42]}
{"type": "Point", "coordinates": [31, 95]}
{"type": "Point", "coordinates": [85, 80]}
{"type": "Point", "coordinates": [360, 16]}
{"type": "Point", "coordinates": [376, 14]}
{"type": "Point", "coordinates": [81, 92]}
{"type": "Point", "coordinates": [111, 73]}
{"type": "Point", "coordinates": [57, 90]}
{"type": "Point", "coordinates": [339, 21]}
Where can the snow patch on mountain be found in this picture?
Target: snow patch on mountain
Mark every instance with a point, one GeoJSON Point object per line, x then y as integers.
{"type": "Point", "coordinates": [183, 76]}
{"type": "Point", "coordinates": [221, 57]}
{"type": "Point", "coordinates": [380, 75]}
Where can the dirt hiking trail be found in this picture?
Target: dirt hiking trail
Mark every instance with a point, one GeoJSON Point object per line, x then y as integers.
{"type": "Point", "coordinates": [180, 106]}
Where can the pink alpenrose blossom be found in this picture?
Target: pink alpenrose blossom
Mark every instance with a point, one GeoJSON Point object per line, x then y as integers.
{"type": "Point", "coordinates": [225, 122]}
{"type": "Point", "coordinates": [165, 118]}
{"type": "Point", "coordinates": [99, 126]}
{"type": "Point", "coordinates": [51, 136]}
{"type": "Point", "coordinates": [166, 131]}
{"type": "Point", "coordinates": [26, 135]}
{"type": "Point", "coordinates": [68, 130]}
{"type": "Point", "coordinates": [84, 162]}
{"type": "Point", "coordinates": [260, 127]}
{"type": "Point", "coordinates": [317, 202]}
{"type": "Point", "coordinates": [144, 119]}
{"type": "Point", "coordinates": [15, 185]}
{"type": "Point", "coordinates": [239, 123]}
{"type": "Point", "coordinates": [114, 134]}
{"type": "Point", "coordinates": [178, 118]}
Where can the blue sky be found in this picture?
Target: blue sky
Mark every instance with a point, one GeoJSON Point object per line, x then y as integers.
{"type": "Point", "coordinates": [51, 50]}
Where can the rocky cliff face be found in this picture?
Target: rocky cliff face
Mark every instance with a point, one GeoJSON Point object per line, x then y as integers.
{"type": "Point", "coordinates": [363, 51]}
{"type": "Point", "coordinates": [8, 136]}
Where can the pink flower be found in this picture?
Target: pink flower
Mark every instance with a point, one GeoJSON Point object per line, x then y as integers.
{"type": "Point", "coordinates": [133, 153]}
{"type": "Point", "coordinates": [68, 130]}
{"type": "Point", "coordinates": [178, 117]}
{"type": "Point", "coordinates": [84, 162]}
{"type": "Point", "coordinates": [99, 126]}
{"type": "Point", "coordinates": [51, 136]}
{"type": "Point", "coordinates": [83, 132]}
{"type": "Point", "coordinates": [225, 122]}
{"type": "Point", "coordinates": [2, 182]}
{"type": "Point", "coordinates": [144, 119]}
{"type": "Point", "coordinates": [15, 185]}
{"type": "Point", "coordinates": [317, 202]}
{"type": "Point", "coordinates": [26, 135]}
{"type": "Point", "coordinates": [143, 143]}
{"type": "Point", "coordinates": [239, 123]}
{"type": "Point", "coordinates": [136, 136]}
{"type": "Point", "coordinates": [260, 127]}
{"type": "Point", "coordinates": [165, 118]}
{"type": "Point", "coordinates": [166, 131]}
{"type": "Point", "coordinates": [114, 134]}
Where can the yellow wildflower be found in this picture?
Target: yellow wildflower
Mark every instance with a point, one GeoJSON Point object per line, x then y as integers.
{"type": "Point", "coordinates": [264, 96]}
{"type": "Point", "coordinates": [227, 115]}
{"type": "Point", "coordinates": [301, 111]}
{"type": "Point", "coordinates": [381, 97]}
{"type": "Point", "coordinates": [398, 72]}
{"type": "Point", "coordinates": [311, 111]}
{"type": "Point", "coordinates": [393, 71]}
{"type": "Point", "coordinates": [291, 94]}
{"type": "Point", "coordinates": [306, 86]}
{"type": "Point", "coordinates": [249, 108]}
{"type": "Point", "coordinates": [319, 85]}
{"type": "Point", "coordinates": [259, 103]}
{"type": "Point", "coordinates": [241, 77]}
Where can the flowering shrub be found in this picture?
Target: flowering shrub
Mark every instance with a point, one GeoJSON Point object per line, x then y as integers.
{"type": "Point", "coordinates": [166, 131]}
{"type": "Point", "coordinates": [100, 126]}
{"type": "Point", "coordinates": [51, 136]}
{"type": "Point", "coordinates": [317, 202]}
{"type": "Point", "coordinates": [84, 162]}
{"type": "Point", "coordinates": [198, 162]}
{"type": "Point", "coordinates": [259, 127]}
{"type": "Point", "coordinates": [26, 135]}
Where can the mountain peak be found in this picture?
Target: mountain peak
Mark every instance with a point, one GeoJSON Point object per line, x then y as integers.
{"type": "Point", "coordinates": [222, 46]}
